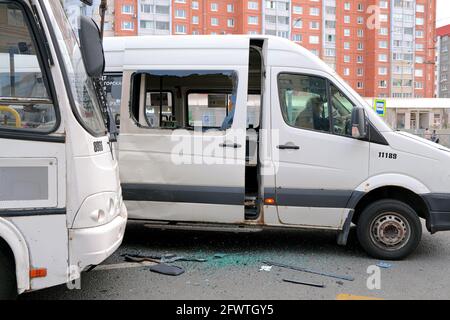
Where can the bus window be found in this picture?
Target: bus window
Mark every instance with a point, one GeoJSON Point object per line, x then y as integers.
{"type": "Point", "coordinates": [24, 99]}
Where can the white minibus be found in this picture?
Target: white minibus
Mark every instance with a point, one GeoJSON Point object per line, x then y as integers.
{"type": "Point", "coordinates": [61, 208]}
{"type": "Point", "coordinates": [256, 131]}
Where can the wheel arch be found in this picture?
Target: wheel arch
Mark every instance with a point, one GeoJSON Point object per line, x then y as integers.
{"type": "Point", "coordinates": [13, 240]}
{"type": "Point", "coordinates": [396, 192]}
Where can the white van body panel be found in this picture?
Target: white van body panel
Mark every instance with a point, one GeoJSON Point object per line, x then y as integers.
{"type": "Point", "coordinates": [321, 163]}
{"type": "Point", "coordinates": [115, 53]}
{"type": "Point", "coordinates": [143, 153]}
{"type": "Point", "coordinates": [150, 156]}
{"type": "Point", "coordinates": [310, 217]}
{"type": "Point", "coordinates": [176, 211]}
{"type": "Point", "coordinates": [418, 167]}
{"type": "Point", "coordinates": [325, 168]}
{"type": "Point", "coordinates": [392, 179]}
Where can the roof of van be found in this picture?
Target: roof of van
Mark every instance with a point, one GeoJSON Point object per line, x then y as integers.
{"type": "Point", "coordinates": [288, 52]}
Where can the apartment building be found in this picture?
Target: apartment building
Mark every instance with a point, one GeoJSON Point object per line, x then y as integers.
{"type": "Point", "coordinates": [382, 48]}
{"type": "Point", "coordinates": [443, 62]}
{"type": "Point", "coordinates": [216, 17]}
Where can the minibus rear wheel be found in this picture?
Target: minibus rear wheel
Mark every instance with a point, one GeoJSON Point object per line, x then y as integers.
{"type": "Point", "coordinates": [8, 286]}
{"type": "Point", "coordinates": [389, 229]}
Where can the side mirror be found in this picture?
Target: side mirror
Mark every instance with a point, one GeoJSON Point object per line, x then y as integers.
{"type": "Point", "coordinates": [359, 123]}
{"type": "Point", "coordinates": [91, 47]}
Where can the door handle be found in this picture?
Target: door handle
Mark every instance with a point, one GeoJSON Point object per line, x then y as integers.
{"type": "Point", "coordinates": [230, 145]}
{"type": "Point", "coordinates": [288, 147]}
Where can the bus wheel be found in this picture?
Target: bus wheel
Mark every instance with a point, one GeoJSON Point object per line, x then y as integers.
{"type": "Point", "coordinates": [389, 229]}
{"type": "Point", "coordinates": [8, 286]}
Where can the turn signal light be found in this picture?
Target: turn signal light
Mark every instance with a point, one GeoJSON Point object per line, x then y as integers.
{"type": "Point", "coordinates": [38, 273]}
{"type": "Point", "coordinates": [269, 201]}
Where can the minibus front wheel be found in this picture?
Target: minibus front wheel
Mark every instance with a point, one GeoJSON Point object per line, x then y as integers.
{"type": "Point", "coordinates": [389, 229]}
{"type": "Point", "coordinates": [8, 286]}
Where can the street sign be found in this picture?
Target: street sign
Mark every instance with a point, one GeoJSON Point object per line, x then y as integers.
{"type": "Point", "coordinates": [379, 105]}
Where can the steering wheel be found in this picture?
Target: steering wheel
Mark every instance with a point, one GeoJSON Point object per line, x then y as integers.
{"type": "Point", "coordinates": [14, 113]}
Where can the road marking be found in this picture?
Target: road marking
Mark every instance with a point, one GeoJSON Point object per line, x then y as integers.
{"type": "Point", "coordinates": [124, 265]}
{"type": "Point", "coordinates": [345, 296]}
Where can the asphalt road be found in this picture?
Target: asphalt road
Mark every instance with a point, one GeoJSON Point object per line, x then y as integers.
{"type": "Point", "coordinates": [237, 275]}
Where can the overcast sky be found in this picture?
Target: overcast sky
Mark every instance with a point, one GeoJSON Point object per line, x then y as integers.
{"type": "Point", "coordinates": [443, 13]}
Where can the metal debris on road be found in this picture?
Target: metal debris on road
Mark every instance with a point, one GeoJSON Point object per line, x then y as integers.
{"type": "Point", "coordinates": [181, 258]}
{"type": "Point", "coordinates": [302, 269]}
{"type": "Point", "coordinates": [124, 265]}
{"type": "Point", "coordinates": [168, 258]}
{"type": "Point", "coordinates": [219, 255]}
{"type": "Point", "coordinates": [317, 285]}
{"type": "Point", "coordinates": [138, 258]}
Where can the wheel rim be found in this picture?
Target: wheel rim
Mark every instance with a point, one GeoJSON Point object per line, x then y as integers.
{"type": "Point", "coordinates": [390, 231]}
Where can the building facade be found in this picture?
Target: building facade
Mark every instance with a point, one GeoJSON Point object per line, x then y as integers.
{"type": "Point", "coordinates": [443, 62]}
{"type": "Point", "coordinates": [382, 48]}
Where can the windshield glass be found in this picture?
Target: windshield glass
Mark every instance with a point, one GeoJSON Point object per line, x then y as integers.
{"type": "Point", "coordinates": [87, 107]}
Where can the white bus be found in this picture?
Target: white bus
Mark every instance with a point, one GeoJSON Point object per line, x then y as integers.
{"type": "Point", "coordinates": [61, 207]}
{"type": "Point", "coordinates": [256, 131]}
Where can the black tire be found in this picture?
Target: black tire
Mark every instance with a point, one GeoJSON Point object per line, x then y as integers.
{"type": "Point", "coordinates": [8, 286]}
{"type": "Point", "coordinates": [389, 229]}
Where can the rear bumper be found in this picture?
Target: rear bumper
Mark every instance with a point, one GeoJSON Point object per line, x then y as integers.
{"type": "Point", "coordinates": [439, 211]}
{"type": "Point", "coordinates": [91, 246]}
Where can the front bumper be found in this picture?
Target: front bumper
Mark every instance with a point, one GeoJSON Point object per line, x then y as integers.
{"type": "Point", "coordinates": [91, 246]}
{"type": "Point", "coordinates": [439, 211]}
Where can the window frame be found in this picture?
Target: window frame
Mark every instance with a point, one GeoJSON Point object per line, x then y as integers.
{"type": "Point", "coordinates": [185, 125]}
{"type": "Point", "coordinates": [279, 98]}
{"type": "Point", "coordinates": [40, 43]}
{"type": "Point", "coordinates": [328, 84]}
